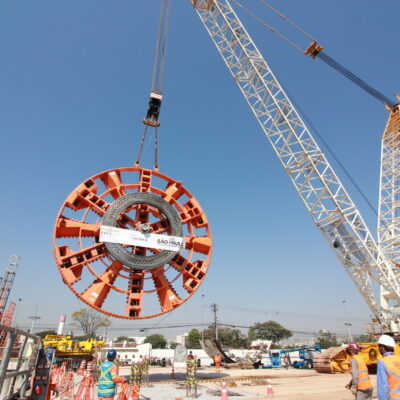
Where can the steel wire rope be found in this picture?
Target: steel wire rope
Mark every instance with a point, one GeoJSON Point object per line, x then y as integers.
{"type": "Point", "coordinates": [354, 78]}
{"type": "Point", "coordinates": [304, 115]}
{"type": "Point", "coordinates": [232, 325]}
{"type": "Point", "coordinates": [288, 20]}
{"type": "Point", "coordinates": [156, 148]}
{"type": "Point", "coordinates": [330, 151]}
{"type": "Point", "coordinates": [158, 71]}
{"type": "Point", "coordinates": [288, 314]}
{"type": "Point", "coordinates": [269, 27]}
{"type": "Point", "coordinates": [159, 61]}
{"type": "Point", "coordinates": [137, 162]}
{"type": "Point", "coordinates": [321, 55]}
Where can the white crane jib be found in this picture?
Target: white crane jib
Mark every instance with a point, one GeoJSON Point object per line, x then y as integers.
{"type": "Point", "coordinates": [330, 206]}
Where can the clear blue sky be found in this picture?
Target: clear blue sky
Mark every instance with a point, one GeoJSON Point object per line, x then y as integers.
{"type": "Point", "coordinates": [75, 79]}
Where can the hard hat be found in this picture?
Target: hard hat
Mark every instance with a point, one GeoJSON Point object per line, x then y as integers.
{"type": "Point", "coordinates": [354, 346]}
{"type": "Point", "coordinates": [387, 341]}
{"type": "Point", "coordinates": [111, 355]}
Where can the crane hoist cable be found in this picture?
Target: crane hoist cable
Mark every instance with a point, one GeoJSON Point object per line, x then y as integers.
{"type": "Point", "coordinates": [315, 50]}
{"type": "Point", "coordinates": [156, 95]}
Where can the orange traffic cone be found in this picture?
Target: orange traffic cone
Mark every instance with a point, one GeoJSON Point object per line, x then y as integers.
{"type": "Point", "coordinates": [270, 392]}
{"type": "Point", "coordinates": [172, 373]}
{"type": "Point", "coordinates": [224, 391]}
{"type": "Point", "coordinates": [81, 369]}
{"type": "Point", "coordinates": [89, 368]}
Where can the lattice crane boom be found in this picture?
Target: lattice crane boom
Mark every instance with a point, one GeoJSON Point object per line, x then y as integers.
{"type": "Point", "coordinates": [330, 206]}
{"type": "Point", "coordinates": [389, 200]}
{"type": "Point", "coordinates": [7, 282]}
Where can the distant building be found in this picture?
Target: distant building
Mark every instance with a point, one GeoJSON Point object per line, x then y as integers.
{"type": "Point", "coordinates": [182, 339]}
{"type": "Point", "coordinates": [128, 353]}
{"type": "Point", "coordinates": [261, 344]}
{"type": "Point", "coordinates": [138, 339]}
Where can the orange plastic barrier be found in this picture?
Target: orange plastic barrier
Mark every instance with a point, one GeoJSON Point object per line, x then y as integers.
{"type": "Point", "coordinates": [129, 392]}
{"type": "Point", "coordinates": [67, 387]}
{"type": "Point", "coordinates": [86, 388]}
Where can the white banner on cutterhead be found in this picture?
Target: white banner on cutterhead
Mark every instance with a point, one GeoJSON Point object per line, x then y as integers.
{"type": "Point", "coordinates": [135, 238]}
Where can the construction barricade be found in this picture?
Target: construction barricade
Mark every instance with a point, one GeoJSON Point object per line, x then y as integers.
{"type": "Point", "coordinates": [129, 392]}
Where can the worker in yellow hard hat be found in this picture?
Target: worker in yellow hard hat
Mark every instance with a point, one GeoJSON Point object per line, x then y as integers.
{"type": "Point", "coordinates": [388, 370]}
{"type": "Point", "coordinates": [360, 384]}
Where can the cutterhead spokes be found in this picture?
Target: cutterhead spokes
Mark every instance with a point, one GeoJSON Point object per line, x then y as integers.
{"type": "Point", "coordinates": [132, 243]}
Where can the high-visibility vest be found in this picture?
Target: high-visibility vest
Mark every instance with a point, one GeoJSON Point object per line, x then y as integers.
{"type": "Point", "coordinates": [364, 383]}
{"type": "Point", "coordinates": [217, 359]}
{"type": "Point", "coordinates": [106, 383]}
{"type": "Point", "coordinates": [392, 363]}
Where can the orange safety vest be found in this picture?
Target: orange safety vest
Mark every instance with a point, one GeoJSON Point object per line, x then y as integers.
{"type": "Point", "coordinates": [392, 363]}
{"type": "Point", "coordinates": [364, 383]}
{"type": "Point", "coordinates": [217, 359]}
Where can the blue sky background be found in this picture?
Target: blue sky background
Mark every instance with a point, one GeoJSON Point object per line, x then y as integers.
{"type": "Point", "coordinates": [75, 78]}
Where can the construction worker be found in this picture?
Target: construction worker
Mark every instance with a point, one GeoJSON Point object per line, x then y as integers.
{"type": "Point", "coordinates": [360, 384]}
{"type": "Point", "coordinates": [109, 377]}
{"type": "Point", "coordinates": [217, 360]}
{"type": "Point", "coordinates": [286, 361]}
{"type": "Point", "coordinates": [388, 370]}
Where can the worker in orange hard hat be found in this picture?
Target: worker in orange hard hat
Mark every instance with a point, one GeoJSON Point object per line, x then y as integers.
{"type": "Point", "coordinates": [360, 384]}
{"type": "Point", "coordinates": [109, 377]}
{"type": "Point", "coordinates": [388, 370]}
{"type": "Point", "coordinates": [217, 361]}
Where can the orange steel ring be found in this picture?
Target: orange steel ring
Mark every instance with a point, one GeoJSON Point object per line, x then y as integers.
{"type": "Point", "coordinates": [103, 282]}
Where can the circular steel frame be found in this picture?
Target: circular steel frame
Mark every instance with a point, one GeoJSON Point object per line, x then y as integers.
{"type": "Point", "coordinates": [115, 215]}
{"type": "Point", "coordinates": [95, 276]}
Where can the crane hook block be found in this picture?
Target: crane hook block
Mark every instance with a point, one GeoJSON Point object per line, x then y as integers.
{"type": "Point", "coordinates": [313, 49]}
{"type": "Point", "coordinates": [154, 109]}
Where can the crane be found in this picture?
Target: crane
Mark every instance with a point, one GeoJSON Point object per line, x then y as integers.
{"type": "Point", "coordinates": [7, 282]}
{"type": "Point", "coordinates": [368, 263]}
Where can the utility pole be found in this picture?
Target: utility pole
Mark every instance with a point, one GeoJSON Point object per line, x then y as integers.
{"type": "Point", "coordinates": [347, 323]}
{"type": "Point", "coordinates": [214, 308]}
{"type": "Point", "coordinates": [202, 317]}
{"type": "Point", "coordinates": [34, 318]}
{"type": "Point", "coordinates": [16, 313]}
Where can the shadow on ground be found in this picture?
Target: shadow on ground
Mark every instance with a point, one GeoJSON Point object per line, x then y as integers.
{"type": "Point", "coordinates": [181, 376]}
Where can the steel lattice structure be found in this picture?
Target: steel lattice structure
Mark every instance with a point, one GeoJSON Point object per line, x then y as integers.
{"type": "Point", "coordinates": [389, 199]}
{"type": "Point", "coordinates": [330, 206]}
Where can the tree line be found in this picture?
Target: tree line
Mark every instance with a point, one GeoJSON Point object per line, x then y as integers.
{"type": "Point", "coordinates": [90, 322]}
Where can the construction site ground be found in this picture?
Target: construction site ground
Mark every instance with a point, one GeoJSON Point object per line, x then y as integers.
{"type": "Point", "coordinates": [251, 384]}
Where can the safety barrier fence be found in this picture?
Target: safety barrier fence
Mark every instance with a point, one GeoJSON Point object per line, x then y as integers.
{"type": "Point", "coordinates": [18, 361]}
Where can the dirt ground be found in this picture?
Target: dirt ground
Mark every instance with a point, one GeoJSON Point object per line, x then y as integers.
{"type": "Point", "coordinates": [291, 384]}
